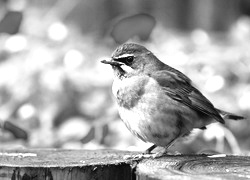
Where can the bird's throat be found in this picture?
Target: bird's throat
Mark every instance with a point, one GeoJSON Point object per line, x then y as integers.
{"type": "Point", "coordinates": [119, 72]}
{"type": "Point", "coordinates": [123, 71]}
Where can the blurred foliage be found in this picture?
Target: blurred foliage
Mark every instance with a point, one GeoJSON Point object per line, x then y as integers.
{"type": "Point", "coordinates": [54, 92]}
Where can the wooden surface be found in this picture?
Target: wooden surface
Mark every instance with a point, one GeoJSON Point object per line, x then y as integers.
{"type": "Point", "coordinates": [111, 164]}
{"type": "Point", "coordinates": [64, 165]}
{"type": "Point", "coordinates": [194, 167]}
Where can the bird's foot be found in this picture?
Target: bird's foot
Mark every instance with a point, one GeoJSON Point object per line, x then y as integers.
{"type": "Point", "coordinates": [138, 156]}
{"type": "Point", "coordinates": [147, 156]}
{"type": "Point", "coordinates": [148, 153]}
{"type": "Point", "coordinates": [164, 151]}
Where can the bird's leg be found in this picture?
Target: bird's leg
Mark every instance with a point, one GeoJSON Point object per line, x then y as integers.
{"type": "Point", "coordinates": [165, 151]}
{"type": "Point", "coordinates": [146, 154]}
{"type": "Point", "coordinates": [161, 153]}
{"type": "Point", "coordinates": [151, 148]}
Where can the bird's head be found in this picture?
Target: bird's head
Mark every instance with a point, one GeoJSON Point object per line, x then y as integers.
{"type": "Point", "coordinates": [134, 56]}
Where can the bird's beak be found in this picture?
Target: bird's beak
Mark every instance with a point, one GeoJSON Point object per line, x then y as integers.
{"type": "Point", "coordinates": [112, 62]}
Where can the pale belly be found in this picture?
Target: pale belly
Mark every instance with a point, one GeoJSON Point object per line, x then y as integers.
{"type": "Point", "coordinates": [154, 117]}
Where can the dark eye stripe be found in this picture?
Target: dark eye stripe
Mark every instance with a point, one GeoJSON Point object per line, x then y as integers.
{"type": "Point", "coordinates": [126, 60]}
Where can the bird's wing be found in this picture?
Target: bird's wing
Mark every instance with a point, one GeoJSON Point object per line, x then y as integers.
{"type": "Point", "coordinates": [178, 87]}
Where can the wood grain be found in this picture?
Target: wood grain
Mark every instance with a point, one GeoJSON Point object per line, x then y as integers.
{"type": "Point", "coordinates": [64, 165]}
{"type": "Point", "coordinates": [194, 167]}
{"type": "Point", "coordinates": [57, 164]}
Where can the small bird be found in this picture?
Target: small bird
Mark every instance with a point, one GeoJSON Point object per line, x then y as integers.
{"type": "Point", "coordinates": [158, 103]}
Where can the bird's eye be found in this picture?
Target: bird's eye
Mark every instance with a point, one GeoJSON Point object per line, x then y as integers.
{"type": "Point", "coordinates": [129, 59]}
{"type": "Point", "coordinates": [125, 58]}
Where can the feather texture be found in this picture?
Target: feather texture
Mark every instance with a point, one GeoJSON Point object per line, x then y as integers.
{"type": "Point", "coordinates": [182, 91]}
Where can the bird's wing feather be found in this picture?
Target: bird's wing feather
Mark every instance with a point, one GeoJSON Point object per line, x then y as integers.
{"type": "Point", "coordinates": [179, 88]}
{"type": "Point", "coordinates": [228, 115]}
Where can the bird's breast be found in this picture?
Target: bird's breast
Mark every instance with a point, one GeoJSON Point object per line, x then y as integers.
{"type": "Point", "coordinates": [145, 110]}
{"type": "Point", "coordinates": [129, 91]}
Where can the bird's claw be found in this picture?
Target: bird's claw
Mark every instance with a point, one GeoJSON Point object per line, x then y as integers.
{"type": "Point", "coordinates": [139, 156]}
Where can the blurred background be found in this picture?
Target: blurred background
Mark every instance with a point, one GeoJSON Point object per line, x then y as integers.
{"type": "Point", "coordinates": [55, 93]}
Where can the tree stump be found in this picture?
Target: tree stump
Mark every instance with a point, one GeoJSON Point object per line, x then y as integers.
{"type": "Point", "coordinates": [194, 167]}
{"type": "Point", "coordinates": [57, 164]}
{"type": "Point", "coordinates": [64, 165]}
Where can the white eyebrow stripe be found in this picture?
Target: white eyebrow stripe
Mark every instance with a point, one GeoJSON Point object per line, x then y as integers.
{"type": "Point", "coordinates": [124, 56]}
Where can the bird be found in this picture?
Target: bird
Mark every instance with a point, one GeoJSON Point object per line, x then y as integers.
{"type": "Point", "coordinates": [158, 103]}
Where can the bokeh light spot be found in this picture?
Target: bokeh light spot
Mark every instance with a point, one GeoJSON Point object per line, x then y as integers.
{"type": "Point", "coordinates": [73, 59]}
{"type": "Point", "coordinates": [26, 111]}
{"type": "Point", "coordinates": [244, 101]}
{"type": "Point", "coordinates": [57, 31]}
{"type": "Point", "coordinates": [200, 37]}
{"type": "Point", "coordinates": [15, 43]}
{"type": "Point", "coordinates": [214, 83]}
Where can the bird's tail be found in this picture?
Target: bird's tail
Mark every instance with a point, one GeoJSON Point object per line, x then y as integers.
{"type": "Point", "coordinates": [226, 115]}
